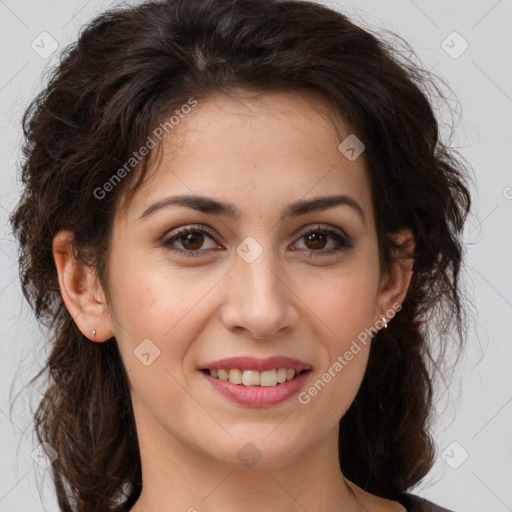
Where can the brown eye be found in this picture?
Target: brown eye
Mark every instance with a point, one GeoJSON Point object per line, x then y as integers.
{"type": "Point", "coordinates": [189, 241]}
{"type": "Point", "coordinates": [317, 239]}
{"type": "Point", "coordinates": [192, 241]}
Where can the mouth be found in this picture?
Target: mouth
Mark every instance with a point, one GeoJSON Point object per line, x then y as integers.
{"type": "Point", "coordinates": [255, 378]}
{"type": "Point", "coordinates": [255, 389]}
{"type": "Point", "coordinates": [255, 372]}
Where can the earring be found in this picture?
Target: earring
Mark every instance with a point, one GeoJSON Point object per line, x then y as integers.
{"type": "Point", "coordinates": [383, 318]}
{"type": "Point", "coordinates": [94, 334]}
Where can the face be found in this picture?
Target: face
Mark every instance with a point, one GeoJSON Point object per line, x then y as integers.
{"type": "Point", "coordinates": [269, 276]}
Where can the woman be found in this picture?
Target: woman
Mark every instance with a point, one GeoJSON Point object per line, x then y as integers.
{"type": "Point", "coordinates": [239, 223]}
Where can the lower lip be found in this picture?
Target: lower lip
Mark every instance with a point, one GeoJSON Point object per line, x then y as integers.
{"type": "Point", "coordinates": [259, 396]}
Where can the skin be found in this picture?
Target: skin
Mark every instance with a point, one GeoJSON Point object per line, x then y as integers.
{"type": "Point", "coordinates": [260, 153]}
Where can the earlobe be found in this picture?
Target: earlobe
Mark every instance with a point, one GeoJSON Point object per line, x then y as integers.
{"type": "Point", "coordinates": [394, 286]}
{"type": "Point", "coordinates": [81, 290]}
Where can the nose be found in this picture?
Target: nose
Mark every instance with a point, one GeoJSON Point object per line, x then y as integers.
{"type": "Point", "coordinates": [258, 300]}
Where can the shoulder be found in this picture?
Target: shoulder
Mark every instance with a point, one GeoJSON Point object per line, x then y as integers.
{"type": "Point", "coordinates": [416, 504]}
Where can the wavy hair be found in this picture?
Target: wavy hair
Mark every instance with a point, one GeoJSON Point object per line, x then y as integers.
{"type": "Point", "coordinates": [128, 68]}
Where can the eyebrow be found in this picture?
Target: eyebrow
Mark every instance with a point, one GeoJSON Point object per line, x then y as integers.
{"type": "Point", "coordinates": [209, 205]}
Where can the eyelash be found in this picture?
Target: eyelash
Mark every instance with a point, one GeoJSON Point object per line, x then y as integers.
{"type": "Point", "coordinates": [343, 241]}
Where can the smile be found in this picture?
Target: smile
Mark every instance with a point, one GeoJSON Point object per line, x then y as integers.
{"type": "Point", "coordinates": [258, 395]}
{"type": "Point", "coordinates": [252, 378]}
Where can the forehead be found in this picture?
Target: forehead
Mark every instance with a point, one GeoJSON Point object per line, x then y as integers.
{"type": "Point", "coordinates": [256, 145]}
{"type": "Point", "coordinates": [286, 116]}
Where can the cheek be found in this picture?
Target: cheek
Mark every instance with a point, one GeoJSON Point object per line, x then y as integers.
{"type": "Point", "coordinates": [332, 391]}
{"type": "Point", "coordinates": [153, 300]}
{"type": "Point", "coordinates": [346, 303]}
{"type": "Point", "coordinates": [157, 313]}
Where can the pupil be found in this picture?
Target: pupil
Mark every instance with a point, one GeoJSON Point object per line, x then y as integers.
{"type": "Point", "coordinates": [316, 238]}
{"type": "Point", "coordinates": [193, 238]}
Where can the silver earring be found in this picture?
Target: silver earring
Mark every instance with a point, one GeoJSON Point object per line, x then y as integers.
{"type": "Point", "coordinates": [93, 334]}
{"type": "Point", "coordinates": [383, 318]}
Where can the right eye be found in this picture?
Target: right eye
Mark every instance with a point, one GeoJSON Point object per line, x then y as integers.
{"type": "Point", "coordinates": [191, 239]}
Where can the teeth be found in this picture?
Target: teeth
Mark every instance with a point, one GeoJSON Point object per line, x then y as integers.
{"type": "Point", "coordinates": [269, 378]}
{"type": "Point", "coordinates": [251, 378]}
{"type": "Point", "coordinates": [254, 377]}
{"type": "Point", "coordinates": [235, 376]}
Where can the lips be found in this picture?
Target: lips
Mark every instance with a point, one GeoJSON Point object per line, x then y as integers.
{"type": "Point", "coordinates": [267, 394]}
{"type": "Point", "coordinates": [252, 363]}
{"type": "Point", "coordinates": [258, 396]}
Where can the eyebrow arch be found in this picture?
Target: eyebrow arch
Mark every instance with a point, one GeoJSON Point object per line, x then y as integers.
{"type": "Point", "coordinates": [213, 206]}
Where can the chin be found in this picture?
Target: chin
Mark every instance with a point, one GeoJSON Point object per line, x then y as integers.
{"type": "Point", "coordinates": [259, 451]}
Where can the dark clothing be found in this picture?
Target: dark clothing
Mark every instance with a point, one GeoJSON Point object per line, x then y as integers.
{"type": "Point", "coordinates": [414, 503]}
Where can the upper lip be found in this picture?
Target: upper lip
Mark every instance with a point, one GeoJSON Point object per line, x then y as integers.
{"type": "Point", "coordinates": [253, 363]}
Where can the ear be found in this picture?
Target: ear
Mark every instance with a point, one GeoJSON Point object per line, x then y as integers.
{"type": "Point", "coordinates": [393, 286]}
{"type": "Point", "coordinates": [81, 290]}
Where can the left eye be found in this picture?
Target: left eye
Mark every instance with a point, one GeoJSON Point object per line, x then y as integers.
{"type": "Point", "coordinates": [318, 237]}
{"type": "Point", "coordinates": [193, 238]}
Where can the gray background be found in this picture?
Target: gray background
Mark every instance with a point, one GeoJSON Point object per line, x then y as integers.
{"type": "Point", "coordinates": [474, 465]}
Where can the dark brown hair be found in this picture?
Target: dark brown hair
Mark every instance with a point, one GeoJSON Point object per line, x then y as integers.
{"type": "Point", "coordinates": [129, 67]}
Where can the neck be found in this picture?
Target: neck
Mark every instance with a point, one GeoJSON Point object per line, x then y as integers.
{"type": "Point", "coordinates": [179, 477]}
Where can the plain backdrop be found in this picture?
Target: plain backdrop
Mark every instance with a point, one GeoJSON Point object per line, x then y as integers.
{"type": "Point", "coordinates": [468, 44]}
